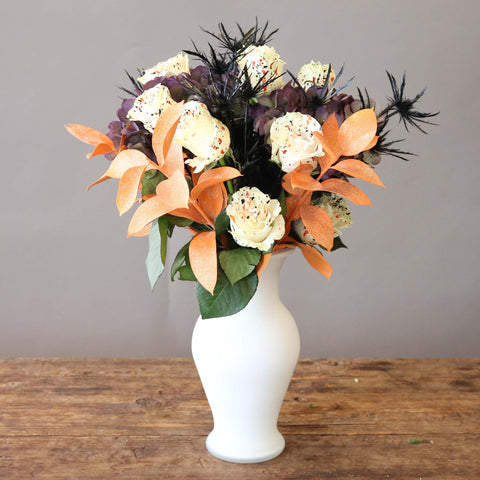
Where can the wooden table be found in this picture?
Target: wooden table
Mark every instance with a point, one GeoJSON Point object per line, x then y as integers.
{"type": "Point", "coordinates": [125, 419]}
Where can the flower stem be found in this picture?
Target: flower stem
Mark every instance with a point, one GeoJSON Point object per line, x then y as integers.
{"type": "Point", "coordinates": [229, 182]}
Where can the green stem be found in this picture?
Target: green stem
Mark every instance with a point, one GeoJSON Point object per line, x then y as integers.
{"type": "Point", "coordinates": [229, 182]}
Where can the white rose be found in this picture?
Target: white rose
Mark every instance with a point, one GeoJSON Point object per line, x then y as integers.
{"type": "Point", "coordinates": [255, 219]}
{"type": "Point", "coordinates": [172, 66]}
{"type": "Point", "coordinates": [206, 137]}
{"type": "Point", "coordinates": [315, 73]}
{"type": "Point", "coordinates": [263, 64]}
{"type": "Point", "coordinates": [336, 209]}
{"type": "Point", "coordinates": [149, 105]}
{"type": "Point", "coordinates": [293, 141]}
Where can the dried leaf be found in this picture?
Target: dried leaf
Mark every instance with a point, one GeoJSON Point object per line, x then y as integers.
{"type": "Point", "coordinates": [358, 169]}
{"type": "Point", "coordinates": [212, 177]}
{"type": "Point", "coordinates": [203, 259]}
{"type": "Point", "coordinates": [165, 131]}
{"type": "Point", "coordinates": [318, 224]}
{"type": "Point", "coordinates": [357, 132]}
{"type": "Point", "coordinates": [128, 188]}
{"type": "Point", "coordinates": [315, 259]}
{"type": "Point", "coordinates": [345, 189]}
{"type": "Point", "coordinates": [89, 135]}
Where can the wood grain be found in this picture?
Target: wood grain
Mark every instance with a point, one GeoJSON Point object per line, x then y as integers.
{"type": "Point", "coordinates": [148, 419]}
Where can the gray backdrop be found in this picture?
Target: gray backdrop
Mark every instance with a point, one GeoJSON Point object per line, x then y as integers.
{"type": "Point", "coordinates": [73, 285]}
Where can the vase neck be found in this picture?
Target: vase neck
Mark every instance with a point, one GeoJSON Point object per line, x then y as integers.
{"type": "Point", "coordinates": [269, 279]}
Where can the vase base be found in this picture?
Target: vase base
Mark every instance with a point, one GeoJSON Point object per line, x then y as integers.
{"type": "Point", "coordinates": [219, 448]}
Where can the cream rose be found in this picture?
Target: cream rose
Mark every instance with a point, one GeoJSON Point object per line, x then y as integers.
{"type": "Point", "coordinates": [263, 64]}
{"type": "Point", "coordinates": [336, 209]}
{"type": "Point", "coordinates": [205, 136]}
{"type": "Point", "coordinates": [315, 73]}
{"type": "Point", "coordinates": [172, 66]}
{"type": "Point", "coordinates": [293, 141]}
{"type": "Point", "coordinates": [255, 219]}
{"type": "Point", "coordinates": [149, 105]}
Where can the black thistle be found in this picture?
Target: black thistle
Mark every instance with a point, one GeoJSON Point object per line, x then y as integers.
{"type": "Point", "coordinates": [404, 107]}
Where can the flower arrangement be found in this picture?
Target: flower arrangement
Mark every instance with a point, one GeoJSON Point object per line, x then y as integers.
{"type": "Point", "coordinates": [249, 158]}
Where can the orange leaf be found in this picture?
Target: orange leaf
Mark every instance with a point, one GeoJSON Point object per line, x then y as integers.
{"type": "Point", "coordinates": [189, 213]}
{"type": "Point", "coordinates": [294, 203]}
{"type": "Point", "coordinates": [345, 189]}
{"type": "Point", "coordinates": [357, 131]}
{"type": "Point", "coordinates": [211, 201]}
{"type": "Point", "coordinates": [100, 180]}
{"type": "Point", "coordinates": [315, 259]}
{"type": "Point", "coordinates": [170, 195]}
{"type": "Point", "coordinates": [127, 159]}
{"type": "Point", "coordinates": [174, 160]}
{"type": "Point", "coordinates": [318, 224]}
{"type": "Point", "coordinates": [263, 263]}
{"type": "Point", "coordinates": [212, 177]}
{"type": "Point", "coordinates": [145, 231]}
{"type": "Point", "coordinates": [89, 135]}
{"type": "Point", "coordinates": [305, 182]}
{"type": "Point", "coordinates": [101, 149]}
{"type": "Point", "coordinates": [203, 259]}
{"type": "Point", "coordinates": [372, 143]}
{"type": "Point", "coordinates": [287, 178]}
{"type": "Point", "coordinates": [128, 188]}
{"type": "Point", "coordinates": [330, 135]}
{"type": "Point", "coordinates": [358, 169]}
{"type": "Point", "coordinates": [165, 131]}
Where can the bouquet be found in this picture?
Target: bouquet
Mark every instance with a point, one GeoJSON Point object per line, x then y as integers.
{"type": "Point", "coordinates": [250, 158]}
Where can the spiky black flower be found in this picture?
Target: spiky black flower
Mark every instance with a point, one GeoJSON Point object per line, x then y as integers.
{"type": "Point", "coordinates": [404, 107]}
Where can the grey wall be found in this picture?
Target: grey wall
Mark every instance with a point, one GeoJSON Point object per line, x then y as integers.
{"type": "Point", "coordinates": [73, 285]}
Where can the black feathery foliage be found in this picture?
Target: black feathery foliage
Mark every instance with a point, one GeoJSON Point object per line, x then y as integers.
{"type": "Point", "coordinates": [385, 147]}
{"type": "Point", "coordinates": [257, 35]}
{"type": "Point", "coordinates": [137, 88]}
{"type": "Point", "coordinates": [404, 107]}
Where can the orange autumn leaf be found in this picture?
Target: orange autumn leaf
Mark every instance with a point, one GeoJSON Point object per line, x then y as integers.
{"type": "Point", "coordinates": [171, 194]}
{"type": "Point", "coordinates": [128, 188]}
{"type": "Point", "coordinates": [203, 259]}
{"type": "Point", "coordinates": [190, 213]}
{"type": "Point", "coordinates": [211, 201]}
{"type": "Point", "coordinates": [318, 224]}
{"type": "Point", "coordinates": [212, 177]}
{"type": "Point", "coordinates": [174, 160]}
{"type": "Point", "coordinates": [305, 168]}
{"type": "Point", "coordinates": [345, 189]}
{"type": "Point", "coordinates": [165, 130]}
{"type": "Point", "coordinates": [144, 232]}
{"type": "Point", "coordinates": [357, 132]}
{"type": "Point", "coordinates": [96, 182]}
{"type": "Point", "coordinates": [315, 259]}
{"type": "Point", "coordinates": [295, 202]}
{"type": "Point", "coordinates": [329, 137]}
{"type": "Point", "coordinates": [263, 263]}
{"type": "Point", "coordinates": [305, 182]}
{"type": "Point", "coordinates": [127, 159]}
{"type": "Point", "coordinates": [358, 169]}
{"type": "Point", "coordinates": [101, 149]}
{"type": "Point", "coordinates": [89, 135]}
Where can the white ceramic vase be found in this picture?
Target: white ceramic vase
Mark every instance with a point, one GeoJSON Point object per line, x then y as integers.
{"type": "Point", "coordinates": [245, 362]}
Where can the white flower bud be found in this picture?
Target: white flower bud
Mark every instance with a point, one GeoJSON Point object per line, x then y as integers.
{"type": "Point", "coordinates": [315, 73]}
{"type": "Point", "coordinates": [172, 66]}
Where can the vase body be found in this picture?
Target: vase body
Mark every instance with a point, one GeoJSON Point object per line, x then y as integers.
{"type": "Point", "coordinates": [245, 362]}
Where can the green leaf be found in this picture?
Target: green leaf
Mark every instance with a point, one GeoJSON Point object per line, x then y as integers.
{"type": "Point", "coordinates": [283, 202]}
{"type": "Point", "coordinates": [163, 226]}
{"type": "Point", "coordinates": [222, 222]}
{"type": "Point", "coordinates": [186, 273]}
{"type": "Point", "coordinates": [150, 180]}
{"type": "Point", "coordinates": [239, 263]}
{"type": "Point", "coordinates": [227, 299]}
{"type": "Point", "coordinates": [179, 260]}
{"type": "Point", "coordinates": [157, 250]}
{"type": "Point", "coordinates": [178, 221]}
{"type": "Point", "coordinates": [337, 243]}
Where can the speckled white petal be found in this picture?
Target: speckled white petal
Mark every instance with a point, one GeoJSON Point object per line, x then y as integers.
{"type": "Point", "coordinates": [263, 64]}
{"type": "Point", "coordinates": [149, 105]}
{"type": "Point", "coordinates": [293, 141]}
{"type": "Point", "coordinates": [172, 66]}
{"type": "Point", "coordinates": [315, 73]}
